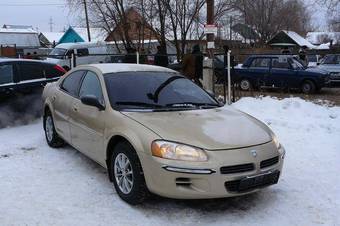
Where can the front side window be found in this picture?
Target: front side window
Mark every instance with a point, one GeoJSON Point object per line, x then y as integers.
{"type": "Point", "coordinates": [91, 86]}
{"type": "Point", "coordinates": [280, 63]}
{"type": "Point", "coordinates": [6, 73]}
{"type": "Point", "coordinates": [82, 52]}
{"type": "Point", "coordinates": [72, 82]}
{"type": "Point", "coordinates": [260, 62]}
{"type": "Point", "coordinates": [155, 90]}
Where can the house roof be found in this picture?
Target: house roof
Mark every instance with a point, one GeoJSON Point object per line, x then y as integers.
{"type": "Point", "coordinates": [290, 38]}
{"type": "Point", "coordinates": [53, 36]}
{"type": "Point", "coordinates": [20, 37]}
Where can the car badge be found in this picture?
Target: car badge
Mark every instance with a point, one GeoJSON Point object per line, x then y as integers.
{"type": "Point", "coordinates": [254, 153]}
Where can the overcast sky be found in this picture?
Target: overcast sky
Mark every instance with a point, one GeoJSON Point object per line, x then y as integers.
{"type": "Point", "coordinates": [38, 13]}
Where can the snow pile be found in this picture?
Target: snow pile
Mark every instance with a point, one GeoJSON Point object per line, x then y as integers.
{"type": "Point", "coordinates": [44, 186]}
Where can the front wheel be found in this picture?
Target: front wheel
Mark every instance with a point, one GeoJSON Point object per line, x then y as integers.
{"type": "Point", "coordinates": [308, 87]}
{"type": "Point", "coordinates": [127, 174]}
{"type": "Point", "coordinates": [52, 138]}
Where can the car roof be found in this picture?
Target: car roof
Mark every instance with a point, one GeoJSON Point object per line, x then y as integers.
{"type": "Point", "coordinates": [4, 60]}
{"type": "Point", "coordinates": [122, 67]}
{"type": "Point", "coordinates": [80, 45]}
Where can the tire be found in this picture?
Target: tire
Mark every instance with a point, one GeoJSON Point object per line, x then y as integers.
{"type": "Point", "coordinates": [245, 84]}
{"type": "Point", "coordinates": [51, 135]}
{"type": "Point", "coordinates": [132, 177]}
{"type": "Point", "coordinates": [308, 87]}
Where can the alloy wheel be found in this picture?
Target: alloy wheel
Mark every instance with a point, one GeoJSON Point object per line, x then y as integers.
{"type": "Point", "coordinates": [123, 173]}
{"type": "Point", "coordinates": [49, 128]}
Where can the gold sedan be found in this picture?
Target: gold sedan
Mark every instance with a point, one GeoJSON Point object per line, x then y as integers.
{"type": "Point", "coordinates": [157, 132]}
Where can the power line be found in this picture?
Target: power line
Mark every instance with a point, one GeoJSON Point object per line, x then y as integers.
{"type": "Point", "coordinates": [34, 4]}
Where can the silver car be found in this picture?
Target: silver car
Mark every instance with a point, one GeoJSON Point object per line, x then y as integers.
{"type": "Point", "coordinates": [331, 63]}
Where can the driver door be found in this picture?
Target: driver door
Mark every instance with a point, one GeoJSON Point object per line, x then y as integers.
{"type": "Point", "coordinates": [87, 122]}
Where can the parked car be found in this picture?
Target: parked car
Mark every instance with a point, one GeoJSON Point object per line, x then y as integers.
{"type": "Point", "coordinates": [86, 53]}
{"type": "Point", "coordinates": [331, 63]}
{"type": "Point", "coordinates": [279, 71]}
{"type": "Point", "coordinates": [156, 131]}
{"type": "Point", "coordinates": [19, 75]}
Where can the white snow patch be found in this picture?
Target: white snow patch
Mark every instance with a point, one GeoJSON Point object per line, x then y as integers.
{"type": "Point", "coordinates": [44, 186]}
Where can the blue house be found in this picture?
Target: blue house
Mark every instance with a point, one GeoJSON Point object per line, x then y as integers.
{"type": "Point", "coordinates": [70, 35]}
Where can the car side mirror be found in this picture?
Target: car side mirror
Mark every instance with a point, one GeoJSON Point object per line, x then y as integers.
{"type": "Point", "coordinates": [92, 100]}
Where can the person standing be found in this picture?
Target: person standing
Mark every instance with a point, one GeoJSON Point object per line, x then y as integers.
{"type": "Point", "coordinates": [161, 58]}
{"type": "Point", "coordinates": [193, 65]}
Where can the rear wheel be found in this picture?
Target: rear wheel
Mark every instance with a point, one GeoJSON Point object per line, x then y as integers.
{"type": "Point", "coordinates": [308, 87]}
{"type": "Point", "coordinates": [127, 174]}
{"type": "Point", "coordinates": [52, 138]}
{"type": "Point", "coordinates": [245, 84]}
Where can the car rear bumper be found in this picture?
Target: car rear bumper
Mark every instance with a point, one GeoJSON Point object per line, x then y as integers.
{"type": "Point", "coordinates": [226, 174]}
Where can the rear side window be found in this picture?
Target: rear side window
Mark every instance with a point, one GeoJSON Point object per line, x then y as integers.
{"type": "Point", "coordinates": [71, 83]}
{"type": "Point", "coordinates": [280, 63]}
{"type": "Point", "coordinates": [82, 52]}
{"type": "Point", "coordinates": [31, 71]}
{"type": "Point", "coordinates": [6, 73]}
{"type": "Point", "coordinates": [91, 86]}
{"type": "Point", "coordinates": [260, 62]}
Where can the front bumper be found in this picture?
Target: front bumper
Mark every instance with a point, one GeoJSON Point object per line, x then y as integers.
{"type": "Point", "coordinates": [200, 180]}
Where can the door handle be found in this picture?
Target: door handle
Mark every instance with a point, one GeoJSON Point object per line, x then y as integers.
{"type": "Point", "coordinates": [75, 107]}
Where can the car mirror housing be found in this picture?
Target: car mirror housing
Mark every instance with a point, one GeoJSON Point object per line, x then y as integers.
{"type": "Point", "coordinates": [92, 100]}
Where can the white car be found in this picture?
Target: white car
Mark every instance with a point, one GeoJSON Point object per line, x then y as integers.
{"type": "Point", "coordinates": [86, 53]}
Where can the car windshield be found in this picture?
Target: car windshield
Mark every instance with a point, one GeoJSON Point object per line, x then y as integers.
{"type": "Point", "coordinates": [160, 91]}
{"type": "Point", "coordinates": [296, 64]}
{"type": "Point", "coordinates": [331, 59]}
{"type": "Point", "coordinates": [58, 53]}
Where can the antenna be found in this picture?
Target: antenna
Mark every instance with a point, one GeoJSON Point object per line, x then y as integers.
{"type": "Point", "coordinates": [51, 24]}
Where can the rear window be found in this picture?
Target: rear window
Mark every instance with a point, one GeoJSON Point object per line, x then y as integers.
{"type": "Point", "coordinates": [52, 71]}
{"type": "Point", "coordinates": [6, 73]}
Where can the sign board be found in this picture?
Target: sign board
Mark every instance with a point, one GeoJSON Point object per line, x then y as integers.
{"type": "Point", "coordinates": [210, 29]}
{"type": "Point", "coordinates": [211, 45]}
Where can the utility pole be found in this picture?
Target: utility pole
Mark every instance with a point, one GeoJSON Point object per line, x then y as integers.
{"type": "Point", "coordinates": [210, 21]}
{"type": "Point", "coordinates": [208, 65]}
{"type": "Point", "coordinates": [87, 22]}
{"type": "Point", "coordinates": [51, 24]}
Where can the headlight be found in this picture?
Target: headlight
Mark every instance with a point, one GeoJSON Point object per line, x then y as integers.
{"type": "Point", "coordinates": [170, 150]}
{"type": "Point", "coordinates": [276, 142]}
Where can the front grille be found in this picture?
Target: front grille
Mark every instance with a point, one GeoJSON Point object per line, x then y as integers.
{"type": "Point", "coordinates": [269, 162]}
{"type": "Point", "coordinates": [237, 168]}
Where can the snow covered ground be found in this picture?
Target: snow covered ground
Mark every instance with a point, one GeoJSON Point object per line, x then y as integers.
{"type": "Point", "coordinates": [44, 186]}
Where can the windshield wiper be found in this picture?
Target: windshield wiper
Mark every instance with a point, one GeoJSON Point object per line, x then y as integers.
{"type": "Point", "coordinates": [139, 104]}
{"type": "Point", "coordinates": [193, 104]}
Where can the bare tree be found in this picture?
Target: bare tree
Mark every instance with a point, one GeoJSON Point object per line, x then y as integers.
{"type": "Point", "coordinates": [267, 17]}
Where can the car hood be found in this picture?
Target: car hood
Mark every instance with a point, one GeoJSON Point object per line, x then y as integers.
{"type": "Point", "coordinates": [211, 129]}
{"type": "Point", "coordinates": [316, 70]}
{"type": "Point", "coordinates": [330, 68]}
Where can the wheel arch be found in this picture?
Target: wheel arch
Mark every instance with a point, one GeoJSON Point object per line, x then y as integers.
{"type": "Point", "coordinates": [114, 140]}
